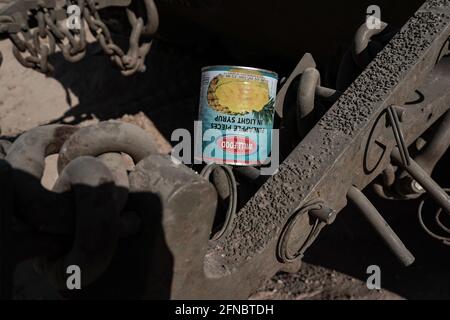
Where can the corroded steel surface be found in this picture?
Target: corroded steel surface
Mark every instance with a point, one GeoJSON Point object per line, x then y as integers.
{"type": "Point", "coordinates": [174, 255]}
{"type": "Point", "coordinates": [319, 167]}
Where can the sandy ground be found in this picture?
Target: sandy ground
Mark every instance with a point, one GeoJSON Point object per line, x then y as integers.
{"type": "Point", "coordinates": [92, 90]}
{"type": "Point", "coordinates": [28, 98]}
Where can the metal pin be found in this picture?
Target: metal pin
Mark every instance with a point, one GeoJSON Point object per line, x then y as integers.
{"type": "Point", "coordinates": [381, 226]}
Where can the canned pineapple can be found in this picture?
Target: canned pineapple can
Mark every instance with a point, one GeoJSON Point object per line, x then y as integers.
{"type": "Point", "coordinates": [237, 107]}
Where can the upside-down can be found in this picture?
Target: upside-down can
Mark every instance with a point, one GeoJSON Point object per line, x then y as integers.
{"type": "Point", "coordinates": [237, 107]}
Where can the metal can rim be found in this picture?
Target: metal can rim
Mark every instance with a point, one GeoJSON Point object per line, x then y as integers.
{"type": "Point", "coordinates": [267, 72]}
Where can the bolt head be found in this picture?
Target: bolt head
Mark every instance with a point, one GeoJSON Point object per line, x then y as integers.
{"type": "Point", "coordinates": [416, 186]}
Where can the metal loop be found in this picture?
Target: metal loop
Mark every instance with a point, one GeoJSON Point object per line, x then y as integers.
{"type": "Point", "coordinates": [37, 37]}
{"type": "Point", "coordinates": [28, 152]}
{"type": "Point", "coordinates": [152, 17]}
{"type": "Point", "coordinates": [87, 201]}
{"type": "Point", "coordinates": [97, 226]}
{"type": "Point", "coordinates": [115, 163]}
{"type": "Point", "coordinates": [53, 27]}
{"type": "Point", "coordinates": [309, 81]}
{"type": "Point", "coordinates": [308, 89]}
{"type": "Point", "coordinates": [27, 157]}
{"type": "Point", "coordinates": [283, 244]}
{"type": "Point", "coordinates": [445, 229]}
{"type": "Point", "coordinates": [21, 59]}
{"type": "Point", "coordinates": [232, 186]}
{"type": "Point", "coordinates": [130, 60]}
{"type": "Point", "coordinates": [361, 42]}
{"type": "Point", "coordinates": [105, 137]}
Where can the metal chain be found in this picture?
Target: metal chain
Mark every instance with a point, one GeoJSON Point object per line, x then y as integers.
{"type": "Point", "coordinates": [32, 48]}
{"type": "Point", "coordinates": [91, 169]}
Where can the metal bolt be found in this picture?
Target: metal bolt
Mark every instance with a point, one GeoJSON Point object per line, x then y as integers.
{"type": "Point", "coordinates": [324, 214]}
{"type": "Point", "coordinates": [401, 113]}
{"type": "Point", "coordinates": [416, 186]}
{"type": "Point", "coordinates": [420, 144]}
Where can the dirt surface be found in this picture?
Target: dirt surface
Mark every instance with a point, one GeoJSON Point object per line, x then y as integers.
{"type": "Point", "coordinates": [92, 90]}
{"type": "Point", "coordinates": [315, 282]}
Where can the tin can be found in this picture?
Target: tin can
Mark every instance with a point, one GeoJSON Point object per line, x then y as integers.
{"type": "Point", "coordinates": [237, 108]}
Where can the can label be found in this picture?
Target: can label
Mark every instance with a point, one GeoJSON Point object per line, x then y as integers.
{"type": "Point", "coordinates": [237, 107]}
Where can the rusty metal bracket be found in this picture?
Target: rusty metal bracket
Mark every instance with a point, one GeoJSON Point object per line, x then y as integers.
{"type": "Point", "coordinates": [325, 164]}
{"type": "Point", "coordinates": [321, 163]}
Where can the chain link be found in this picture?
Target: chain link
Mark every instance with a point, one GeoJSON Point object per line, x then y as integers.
{"type": "Point", "coordinates": [33, 46]}
{"type": "Point", "coordinates": [91, 169]}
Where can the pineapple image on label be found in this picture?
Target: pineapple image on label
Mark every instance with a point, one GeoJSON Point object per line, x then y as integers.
{"type": "Point", "coordinates": [237, 96]}
{"type": "Point", "coordinates": [240, 103]}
